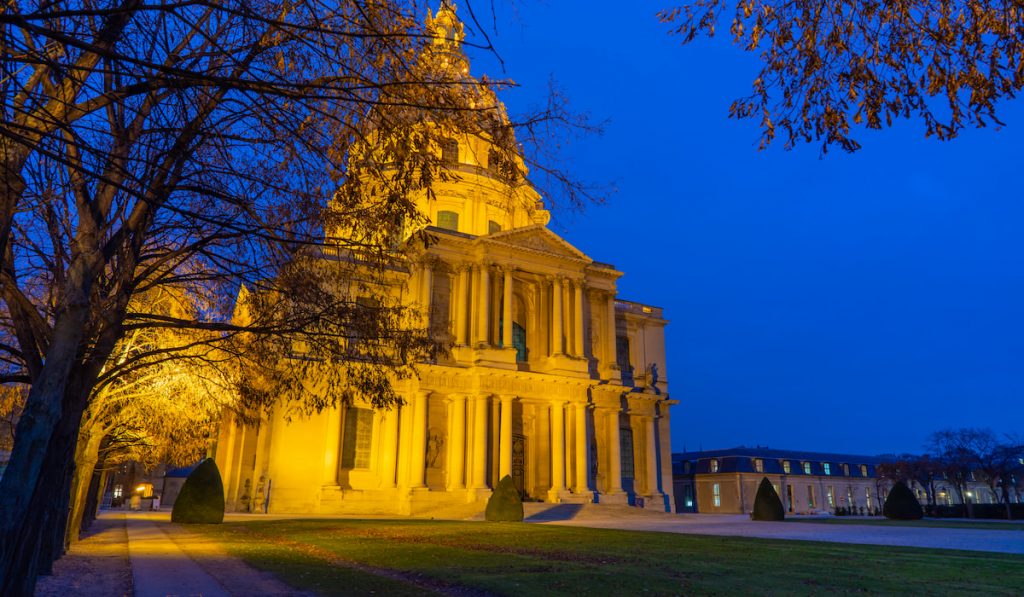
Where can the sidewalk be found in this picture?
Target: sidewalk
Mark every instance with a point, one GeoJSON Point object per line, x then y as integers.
{"type": "Point", "coordinates": [168, 559]}
{"type": "Point", "coordinates": [142, 553]}
{"type": "Point", "coordinates": [160, 567]}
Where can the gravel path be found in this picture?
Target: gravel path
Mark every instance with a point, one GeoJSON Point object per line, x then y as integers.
{"type": "Point", "coordinates": [95, 565]}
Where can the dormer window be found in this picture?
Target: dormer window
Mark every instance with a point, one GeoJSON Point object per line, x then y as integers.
{"type": "Point", "coordinates": [846, 470]}
{"type": "Point", "coordinates": [807, 468]}
{"type": "Point", "coordinates": [786, 467]}
{"type": "Point", "coordinates": [449, 220]}
{"type": "Point", "coordinates": [863, 470]}
{"type": "Point", "coordinates": [449, 152]}
{"type": "Point", "coordinates": [714, 465]}
{"type": "Point", "coordinates": [758, 465]}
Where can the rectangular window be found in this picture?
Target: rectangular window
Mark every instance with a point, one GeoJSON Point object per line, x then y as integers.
{"type": "Point", "coordinates": [867, 496]}
{"type": "Point", "coordinates": [789, 497]}
{"type": "Point", "coordinates": [449, 152]}
{"type": "Point", "coordinates": [863, 470]}
{"type": "Point", "coordinates": [714, 465]}
{"type": "Point", "coordinates": [449, 220]}
{"type": "Point", "coordinates": [807, 468]}
{"type": "Point", "coordinates": [758, 465]}
{"type": "Point", "coordinates": [785, 467]}
{"type": "Point", "coordinates": [688, 496]}
{"type": "Point", "coordinates": [827, 468]}
{"type": "Point", "coordinates": [830, 494]}
{"type": "Point", "coordinates": [810, 496]}
{"type": "Point", "coordinates": [355, 443]}
{"type": "Point", "coordinates": [716, 492]}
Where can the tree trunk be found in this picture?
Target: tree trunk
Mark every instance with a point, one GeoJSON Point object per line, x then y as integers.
{"type": "Point", "coordinates": [97, 485]}
{"type": "Point", "coordinates": [86, 455]}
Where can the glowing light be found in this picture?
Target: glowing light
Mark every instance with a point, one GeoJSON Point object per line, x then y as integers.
{"type": "Point", "coordinates": [140, 488]}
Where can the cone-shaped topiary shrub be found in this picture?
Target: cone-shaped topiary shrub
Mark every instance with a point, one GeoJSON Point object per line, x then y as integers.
{"type": "Point", "coordinates": [767, 505]}
{"type": "Point", "coordinates": [901, 504]}
{"type": "Point", "coordinates": [201, 499]}
{"type": "Point", "coordinates": [505, 505]}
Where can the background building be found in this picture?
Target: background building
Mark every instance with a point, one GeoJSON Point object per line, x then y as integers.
{"type": "Point", "coordinates": [725, 481]}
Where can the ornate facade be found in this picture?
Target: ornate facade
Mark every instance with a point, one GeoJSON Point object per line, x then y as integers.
{"type": "Point", "coordinates": [552, 379]}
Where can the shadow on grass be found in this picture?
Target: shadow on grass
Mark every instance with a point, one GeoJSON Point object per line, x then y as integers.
{"type": "Point", "coordinates": [558, 512]}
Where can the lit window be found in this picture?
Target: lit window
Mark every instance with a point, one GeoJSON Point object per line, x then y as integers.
{"type": "Point", "coordinates": [785, 467]}
{"type": "Point", "coordinates": [716, 492]}
{"type": "Point", "coordinates": [827, 467]}
{"type": "Point", "coordinates": [449, 220]}
{"type": "Point", "coordinates": [830, 494]}
{"type": "Point", "coordinates": [807, 468]}
{"type": "Point", "coordinates": [863, 470]}
{"type": "Point", "coordinates": [846, 470]}
{"type": "Point", "coordinates": [688, 496]}
{"type": "Point", "coordinates": [493, 227]}
{"type": "Point", "coordinates": [867, 496]}
{"type": "Point", "coordinates": [714, 466]}
{"type": "Point", "coordinates": [118, 491]}
{"type": "Point", "coordinates": [810, 496]}
{"type": "Point", "coordinates": [758, 465]}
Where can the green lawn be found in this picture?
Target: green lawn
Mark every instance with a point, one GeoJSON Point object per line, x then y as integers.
{"type": "Point", "coordinates": [405, 557]}
{"type": "Point", "coordinates": [985, 525]}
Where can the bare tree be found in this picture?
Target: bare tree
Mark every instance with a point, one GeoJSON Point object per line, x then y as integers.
{"type": "Point", "coordinates": [830, 66]}
{"type": "Point", "coordinates": [197, 145]}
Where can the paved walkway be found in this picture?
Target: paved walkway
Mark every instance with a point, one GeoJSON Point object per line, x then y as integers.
{"type": "Point", "coordinates": [160, 567]}
{"type": "Point", "coordinates": [169, 560]}
{"type": "Point", "coordinates": [612, 517]}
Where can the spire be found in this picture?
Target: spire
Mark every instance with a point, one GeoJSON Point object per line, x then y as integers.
{"type": "Point", "coordinates": [443, 54]}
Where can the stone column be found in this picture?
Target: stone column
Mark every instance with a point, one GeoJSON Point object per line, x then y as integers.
{"type": "Point", "coordinates": [457, 441]}
{"type": "Point", "coordinates": [577, 348]}
{"type": "Point", "coordinates": [332, 445]}
{"type": "Point", "coordinates": [405, 442]}
{"type": "Point", "coordinates": [426, 289]}
{"type": "Point", "coordinates": [506, 319]}
{"type": "Point", "coordinates": [652, 457]}
{"type": "Point", "coordinates": [614, 452]}
{"type": "Point", "coordinates": [505, 437]}
{"type": "Point", "coordinates": [557, 347]}
{"type": "Point", "coordinates": [389, 448]}
{"type": "Point", "coordinates": [462, 306]}
{"type": "Point", "coordinates": [582, 462]}
{"type": "Point", "coordinates": [557, 448]}
{"type": "Point", "coordinates": [610, 337]}
{"type": "Point", "coordinates": [480, 442]}
{"type": "Point", "coordinates": [418, 458]}
{"type": "Point", "coordinates": [483, 305]}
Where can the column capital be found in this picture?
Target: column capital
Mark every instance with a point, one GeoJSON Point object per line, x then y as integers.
{"type": "Point", "coordinates": [506, 397]}
{"type": "Point", "coordinates": [456, 397]}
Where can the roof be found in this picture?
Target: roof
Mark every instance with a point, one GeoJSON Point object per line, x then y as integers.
{"type": "Point", "coordinates": [183, 471]}
{"type": "Point", "coordinates": [741, 460]}
{"type": "Point", "coordinates": [765, 452]}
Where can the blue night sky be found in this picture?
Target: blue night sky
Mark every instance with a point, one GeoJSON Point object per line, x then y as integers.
{"type": "Point", "coordinates": [854, 303]}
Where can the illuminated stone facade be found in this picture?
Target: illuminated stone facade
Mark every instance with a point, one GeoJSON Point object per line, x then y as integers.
{"type": "Point", "coordinates": [552, 379]}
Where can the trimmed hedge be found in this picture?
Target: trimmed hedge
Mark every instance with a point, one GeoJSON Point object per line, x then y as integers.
{"type": "Point", "coordinates": [201, 500]}
{"type": "Point", "coordinates": [767, 505]}
{"type": "Point", "coordinates": [902, 504]}
{"type": "Point", "coordinates": [504, 504]}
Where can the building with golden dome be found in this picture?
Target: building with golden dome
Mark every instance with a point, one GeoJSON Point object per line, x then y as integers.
{"type": "Point", "coordinates": [552, 378]}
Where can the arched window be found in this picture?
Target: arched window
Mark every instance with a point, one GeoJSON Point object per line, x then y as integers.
{"type": "Point", "coordinates": [449, 220]}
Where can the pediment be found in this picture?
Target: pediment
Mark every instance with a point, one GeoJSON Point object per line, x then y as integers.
{"type": "Point", "coordinates": [539, 239]}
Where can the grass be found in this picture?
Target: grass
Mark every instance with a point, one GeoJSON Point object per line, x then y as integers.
{"type": "Point", "coordinates": [342, 557]}
{"type": "Point", "coordinates": [928, 522]}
